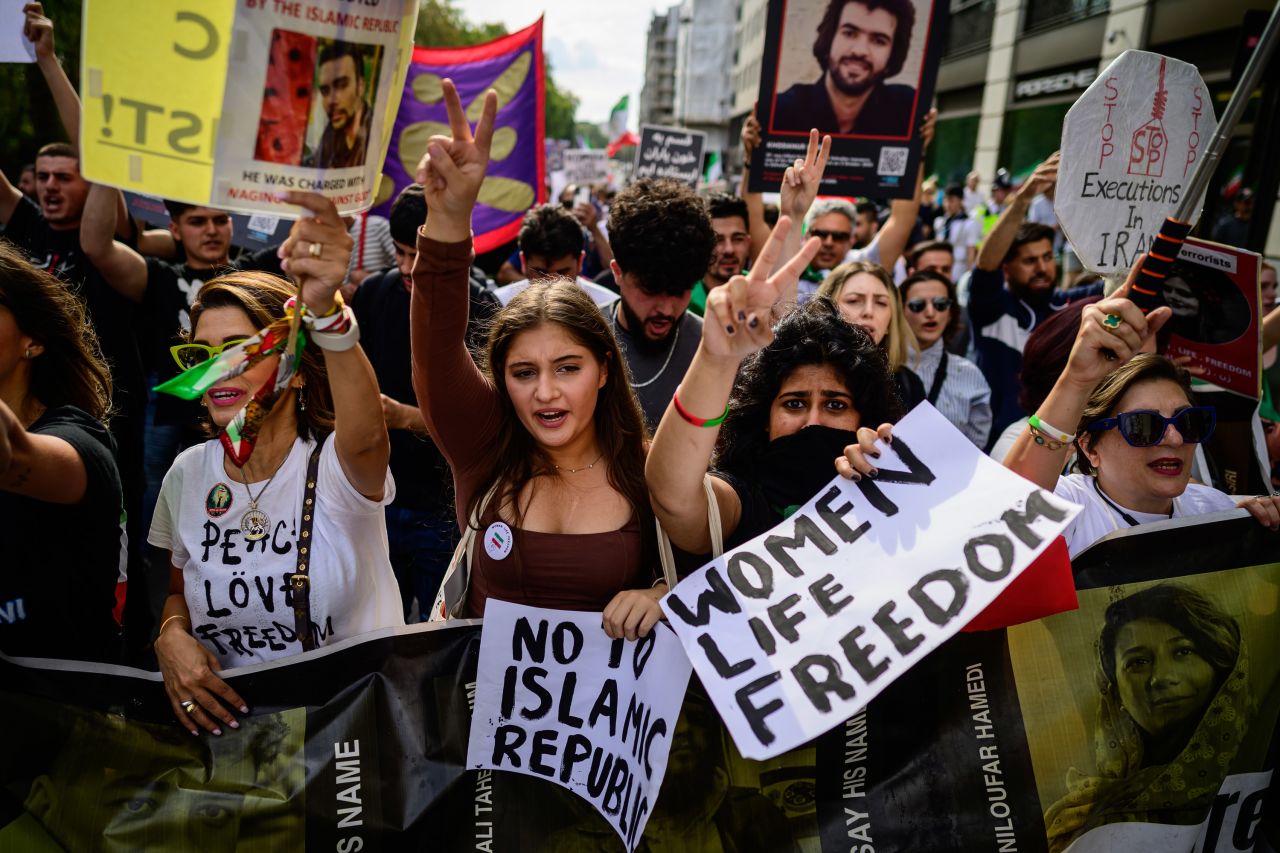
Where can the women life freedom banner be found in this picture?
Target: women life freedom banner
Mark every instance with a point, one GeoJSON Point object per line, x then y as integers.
{"type": "Point", "coordinates": [235, 101]}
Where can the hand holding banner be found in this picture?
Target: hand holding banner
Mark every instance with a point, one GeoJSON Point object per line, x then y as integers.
{"type": "Point", "coordinates": [556, 698]}
{"type": "Point", "coordinates": [795, 631]}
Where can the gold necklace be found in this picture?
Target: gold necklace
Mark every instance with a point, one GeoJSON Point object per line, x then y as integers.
{"type": "Point", "coordinates": [583, 468]}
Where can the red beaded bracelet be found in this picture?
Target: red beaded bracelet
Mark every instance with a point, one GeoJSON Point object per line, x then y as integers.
{"type": "Point", "coordinates": [694, 419]}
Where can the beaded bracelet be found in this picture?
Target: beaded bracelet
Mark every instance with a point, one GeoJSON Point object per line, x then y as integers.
{"type": "Point", "coordinates": [1044, 440]}
{"type": "Point", "coordinates": [1050, 431]}
{"type": "Point", "coordinates": [694, 419]}
{"type": "Point", "coordinates": [336, 331]}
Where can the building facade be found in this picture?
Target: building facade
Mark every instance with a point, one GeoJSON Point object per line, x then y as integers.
{"type": "Point", "coordinates": [658, 97]}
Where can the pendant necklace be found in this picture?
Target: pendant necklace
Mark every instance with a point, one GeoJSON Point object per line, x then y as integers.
{"type": "Point", "coordinates": [256, 524]}
{"type": "Point", "coordinates": [583, 468]}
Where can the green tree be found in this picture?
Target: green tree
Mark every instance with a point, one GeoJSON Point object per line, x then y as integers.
{"type": "Point", "coordinates": [592, 133]}
{"type": "Point", "coordinates": [442, 24]}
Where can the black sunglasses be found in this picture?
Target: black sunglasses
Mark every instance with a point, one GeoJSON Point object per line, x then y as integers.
{"type": "Point", "coordinates": [836, 236]}
{"type": "Point", "coordinates": [1144, 428]}
{"type": "Point", "coordinates": [917, 305]}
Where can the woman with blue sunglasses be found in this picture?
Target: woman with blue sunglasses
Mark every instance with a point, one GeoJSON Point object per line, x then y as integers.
{"type": "Point", "coordinates": [1135, 427]}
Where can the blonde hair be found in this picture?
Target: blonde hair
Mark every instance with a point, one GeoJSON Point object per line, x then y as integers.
{"type": "Point", "coordinates": [899, 339]}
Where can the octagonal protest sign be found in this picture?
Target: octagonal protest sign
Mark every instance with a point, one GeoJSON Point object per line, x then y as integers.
{"type": "Point", "coordinates": [1130, 145]}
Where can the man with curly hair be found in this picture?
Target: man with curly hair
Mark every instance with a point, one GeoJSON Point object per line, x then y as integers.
{"type": "Point", "coordinates": [860, 44]}
{"type": "Point", "coordinates": [662, 245]}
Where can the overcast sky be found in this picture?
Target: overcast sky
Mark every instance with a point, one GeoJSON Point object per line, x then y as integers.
{"type": "Point", "coordinates": [596, 47]}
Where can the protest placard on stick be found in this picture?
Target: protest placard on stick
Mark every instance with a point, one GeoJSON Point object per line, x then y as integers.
{"type": "Point", "coordinates": [1129, 147]}
{"type": "Point", "coordinates": [557, 699]}
{"type": "Point", "coordinates": [796, 630]}
{"type": "Point", "coordinates": [670, 152]}
{"type": "Point", "coordinates": [236, 101]}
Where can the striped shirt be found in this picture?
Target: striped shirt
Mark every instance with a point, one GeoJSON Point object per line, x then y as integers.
{"type": "Point", "coordinates": [965, 397]}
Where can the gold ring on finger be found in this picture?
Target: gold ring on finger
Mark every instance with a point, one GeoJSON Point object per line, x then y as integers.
{"type": "Point", "coordinates": [316, 250]}
{"type": "Point", "coordinates": [1112, 321]}
{"type": "Point", "coordinates": [188, 705]}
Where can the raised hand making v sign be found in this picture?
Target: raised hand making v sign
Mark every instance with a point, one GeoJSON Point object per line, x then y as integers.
{"type": "Point", "coordinates": [453, 168]}
{"type": "Point", "coordinates": [547, 442]}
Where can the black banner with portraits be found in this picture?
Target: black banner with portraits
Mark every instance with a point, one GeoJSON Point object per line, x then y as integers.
{"type": "Point", "coordinates": [1144, 720]}
{"type": "Point", "coordinates": [862, 71]}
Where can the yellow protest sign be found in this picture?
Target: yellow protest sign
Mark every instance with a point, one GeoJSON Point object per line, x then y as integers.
{"type": "Point", "coordinates": [153, 82]}
{"type": "Point", "coordinates": [227, 103]}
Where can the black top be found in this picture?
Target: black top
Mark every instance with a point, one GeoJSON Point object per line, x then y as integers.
{"type": "Point", "coordinates": [381, 305]}
{"type": "Point", "coordinates": [112, 315]}
{"type": "Point", "coordinates": [886, 112]}
{"type": "Point", "coordinates": [910, 388]}
{"type": "Point", "coordinates": [62, 562]}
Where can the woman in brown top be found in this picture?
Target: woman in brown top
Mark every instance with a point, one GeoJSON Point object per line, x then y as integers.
{"type": "Point", "coordinates": [551, 427]}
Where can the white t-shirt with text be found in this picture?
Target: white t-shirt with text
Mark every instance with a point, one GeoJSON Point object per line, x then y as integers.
{"type": "Point", "coordinates": [1098, 519]}
{"type": "Point", "coordinates": [237, 590]}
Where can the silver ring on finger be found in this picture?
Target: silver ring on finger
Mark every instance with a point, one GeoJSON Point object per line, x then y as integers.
{"type": "Point", "coordinates": [316, 250]}
{"type": "Point", "coordinates": [188, 705]}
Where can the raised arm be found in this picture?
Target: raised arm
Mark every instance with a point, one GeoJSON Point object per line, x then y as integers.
{"type": "Point", "coordinates": [903, 213]}
{"type": "Point", "coordinates": [359, 430]}
{"type": "Point", "coordinates": [122, 267]}
{"type": "Point", "coordinates": [756, 226]}
{"type": "Point", "coordinates": [736, 325]}
{"type": "Point", "coordinates": [1099, 348]}
{"type": "Point", "coordinates": [997, 243]}
{"type": "Point", "coordinates": [39, 30]}
{"type": "Point", "coordinates": [800, 184]}
{"type": "Point", "coordinates": [459, 407]}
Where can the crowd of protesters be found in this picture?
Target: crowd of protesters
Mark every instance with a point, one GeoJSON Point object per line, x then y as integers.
{"type": "Point", "coordinates": [445, 439]}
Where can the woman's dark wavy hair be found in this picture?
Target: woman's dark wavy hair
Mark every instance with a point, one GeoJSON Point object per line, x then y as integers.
{"type": "Point", "coordinates": [70, 371]}
{"type": "Point", "coordinates": [903, 12]}
{"type": "Point", "coordinates": [812, 334]}
{"type": "Point", "coordinates": [619, 422]}
{"type": "Point", "coordinates": [1215, 634]}
{"type": "Point", "coordinates": [262, 296]}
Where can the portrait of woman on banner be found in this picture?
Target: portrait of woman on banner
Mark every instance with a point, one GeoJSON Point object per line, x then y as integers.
{"type": "Point", "coordinates": [1173, 709]}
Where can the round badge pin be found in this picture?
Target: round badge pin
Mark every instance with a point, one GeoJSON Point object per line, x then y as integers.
{"type": "Point", "coordinates": [218, 501]}
{"type": "Point", "coordinates": [498, 541]}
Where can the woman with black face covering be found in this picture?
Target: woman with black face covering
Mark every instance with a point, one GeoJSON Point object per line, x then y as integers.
{"type": "Point", "coordinates": [804, 394]}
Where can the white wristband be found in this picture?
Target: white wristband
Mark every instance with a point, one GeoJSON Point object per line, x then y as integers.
{"type": "Point", "coordinates": [346, 336]}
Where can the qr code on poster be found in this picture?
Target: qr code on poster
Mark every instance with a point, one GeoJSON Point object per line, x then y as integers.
{"type": "Point", "coordinates": [893, 161]}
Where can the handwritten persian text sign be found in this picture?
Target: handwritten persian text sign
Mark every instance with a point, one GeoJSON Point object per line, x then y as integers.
{"type": "Point", "coordinates": [234, 101]}
{"type": "Point", "coordinates": [670, 152]}
{"type": "Point", "coordinates": [795, 631]}
{"type": "Point", "coordinates": [556, 698]}
{"type": "Point", "coordinates": [1129, 146]}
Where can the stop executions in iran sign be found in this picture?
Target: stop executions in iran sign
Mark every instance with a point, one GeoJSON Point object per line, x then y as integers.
{"type": "Point", "coordinates": [1129, 147]}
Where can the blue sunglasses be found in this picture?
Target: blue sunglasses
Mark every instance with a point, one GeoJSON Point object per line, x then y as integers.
{"type": "Point", "coordinates": [1144, 428]}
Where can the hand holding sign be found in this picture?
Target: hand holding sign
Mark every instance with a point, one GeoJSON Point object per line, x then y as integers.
{"type": "Point", "coordinates": [737, 318]}
{"type": "Point", "coordinates": [454, 167]}
{"type": "Point", "coordinates": [38, 29]}
{"type": "Point", "coordinates": [317, 252]}
{"type": "Point", "coordinates": [857, 459]}
{"type": "Point", "coordinates": [1112, 330]}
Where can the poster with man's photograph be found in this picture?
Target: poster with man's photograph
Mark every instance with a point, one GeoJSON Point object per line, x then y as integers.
{"type": "Point", "coordinates": [862, 71]}
{"type": "Point", "coordinates": [317, 101]}
{"type": "Point", "coordinates": [309, 93]}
